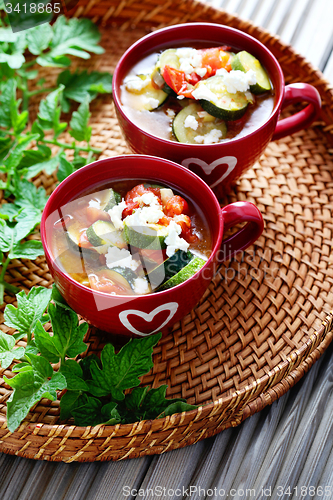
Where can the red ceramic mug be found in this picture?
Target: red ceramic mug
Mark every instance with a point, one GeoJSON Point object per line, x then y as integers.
{"type": "Point", "coordinates": [218, 164]}
{"type": "Point", "coordinates": [140, 315]}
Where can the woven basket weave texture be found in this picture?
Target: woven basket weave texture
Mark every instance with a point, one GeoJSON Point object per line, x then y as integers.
{"type": "Point", "coordinates": [265, 318]}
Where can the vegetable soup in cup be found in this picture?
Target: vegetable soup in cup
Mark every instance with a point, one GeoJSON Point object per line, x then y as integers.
{"type": "Point", "coordinates": [207, 97]}
{"type": "Point", "coordinates": [131, 249]}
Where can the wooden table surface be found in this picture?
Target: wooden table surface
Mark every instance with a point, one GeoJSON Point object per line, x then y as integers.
{"type": "Point", "coordinates": [283, 452]}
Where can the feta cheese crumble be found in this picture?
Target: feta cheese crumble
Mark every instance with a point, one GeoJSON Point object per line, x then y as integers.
{"type": "Point", "coordinates": [170, 113]}
{"type": "Point", "coordinates": [116, 213]}
{"type": "Point", "coordinates": [190, 60]}
{"type": "Point", "coordinates": [173, 241]}
{"type": "Point", "coordinates": [150, 213]}
{"type": "Point", "coordinates": [237, 81]}
{"type": "Point", "coordinates": [151, 101]}
{"type": "Point", "coordinates": [213, 136]}
{"type": "Point", "coordinates": [117, 257]}
{"type": "Point", "coordinates": [134, 83]}
{"type": "Point", "coordinates": [141, 286]}
{"type": "Point", "coordinates": [203, 92]}
{"type": "Point", "coordinates": [148, 199]}
{"type": "Point", "coordinates": [191, 122]}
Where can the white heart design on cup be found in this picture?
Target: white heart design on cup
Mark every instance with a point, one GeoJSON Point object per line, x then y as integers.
{"type": "Point", "coordinates": [170, 306]}
{"type": "Point", "coordinates": [208, 168]}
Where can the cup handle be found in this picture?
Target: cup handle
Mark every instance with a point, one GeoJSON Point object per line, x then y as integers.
{"type": "Point", "coordinates": [298, 92]}
{"type": "Point", "coordinates": [241, 211]}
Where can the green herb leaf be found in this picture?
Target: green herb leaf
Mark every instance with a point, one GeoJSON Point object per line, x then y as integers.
{"type": "Point", "coordinates": [86, 363]}
{"type": "Point", "coordinates": [6, 236]}
{"type": "Point", "coordinates": [30, 309]}
{"type": "Point", "coordinates": [144, 403]}
{"type": "Point", "coordinates": [177, 407]}
{"type": "Point", "coordinates": [28, 196]}
{"type": "Point", "coordinates": [45, 344]}
{"type": "Point", "coordinates": [7, 35]}
{"type": "Point", "coordinates": [110, 414]}
{"type": "Point", "coordinates": [16, 153]}
{"type": "Point", "coordinates": [7, 102]}
{"type": "Point", "coordinates": [49, 166]}
{"type": "Point", "coordinates": [58, 298]}
{"type": "Point", "coordinates": [88, 411]}
{"type": "Point", "coordinates": [79, 122]}
{"type": "Point", "coordinates": [39, 38]}
{"type": "Point", "coordinates": [81, 84]}
{"type": "Point", "coordinates": [36, 160]}
{"type": "Point", "coordinates": [68, 402]}
{"type": "Point", "coordinates": [67, 335]}
{"type": "Point", "coordinates": [73, 374]}
{"type": "Point", "coordinates": [30, 385]}
{"type": "Point", "coordinates": [122, 371]}
{"type": "Point", "coordinates": [27, 250]}
{"type": "Point", "coordinates": [73, 37]}
{"type": "Point", "coordinates": [49, 112]}
{"type": "Point", "coordinates": [8, 352]}
{"type": "Point", "coordinates": [65, 169]}
{"type": "Point", "coordinates": [14, 60]}
{"type": "Point", "coordinates": [26, 220]}
{"type": "Point", "coordinates": [9, 211]}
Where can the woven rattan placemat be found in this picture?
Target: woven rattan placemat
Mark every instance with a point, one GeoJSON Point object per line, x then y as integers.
{"type": "Point", "coordinates": [265, 318]}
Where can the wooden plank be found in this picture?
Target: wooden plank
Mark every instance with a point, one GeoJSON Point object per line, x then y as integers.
{"type": "Point", "coordinates": [316, 32]}
{"type": "Point", "coordinates": [172, 471]}
{"type": "Point", "coordinates": [113, 477]}
{"type": "Point", "coordinates": [247, 9]}
{"type": "Point", "coordinates": [328, 69]}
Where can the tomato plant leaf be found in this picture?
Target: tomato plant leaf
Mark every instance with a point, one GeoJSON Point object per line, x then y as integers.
{"type": "Point", "coordinates": [30, 385]}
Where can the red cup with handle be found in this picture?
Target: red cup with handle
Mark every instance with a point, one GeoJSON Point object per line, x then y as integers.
{"type": "Point", "coordinates": [141, 315]}
{"type": "Point", "coordinates": [219, 164]}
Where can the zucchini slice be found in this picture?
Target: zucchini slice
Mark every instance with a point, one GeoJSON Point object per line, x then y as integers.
{"type": "Point", "coordinates": [205, 125]}
{"type": "Point", "coordinates": [73, 234]}
{"type": "Point", "coordinates": [103, 232]}
{"type": "Point", "coordinates": [171, 266]}
{"type": "Point", "coordinates": [226, 106]}
{"type": "Point", "coordinates": [168, 57]}
{"type": "Point", "coordinates": [110, 200]}
{"type": "Point", "coordinates": [122, 275]}
{"type": "Point", "coordinates": [148, 98]}
{"type": "Point", "coordinates": [151, 237]}
{"type": "Point", "coordinates": [184, 274]}
{"type": "Point", "coordinates": [244, 61]}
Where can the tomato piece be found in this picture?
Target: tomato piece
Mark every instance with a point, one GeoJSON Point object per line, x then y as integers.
{"type": "Point", "coordinates": [176, 206]}
{"type": "Point", "coordinates": [83, 240]}
{"type": "Point", "coordinates": [95, 214]}
{"type": "Point", "coordinates": [138, 190]}
{"type": "Point", "coordinates": [135, 192]}
{"type": "Point", "coordinates": [164, 221]}
{"type": "Point", "coordinates": [214, 59]}
{"type": "Point", "coordinates": [102, 283]}
{"type": "Point", "coordinates": [129, 209]}
{"type": "Point", "coordinates": [176, 80]}
{"type": "Point", "coordinates": [187, 232]}
{"type": "Point", "coordinates": [193, 79]}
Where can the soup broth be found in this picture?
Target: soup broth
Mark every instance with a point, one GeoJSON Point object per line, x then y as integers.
{"type": "Point", "coordinates": [131, 238]}
{"type": "Point", "coordinates": [222, 99]}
